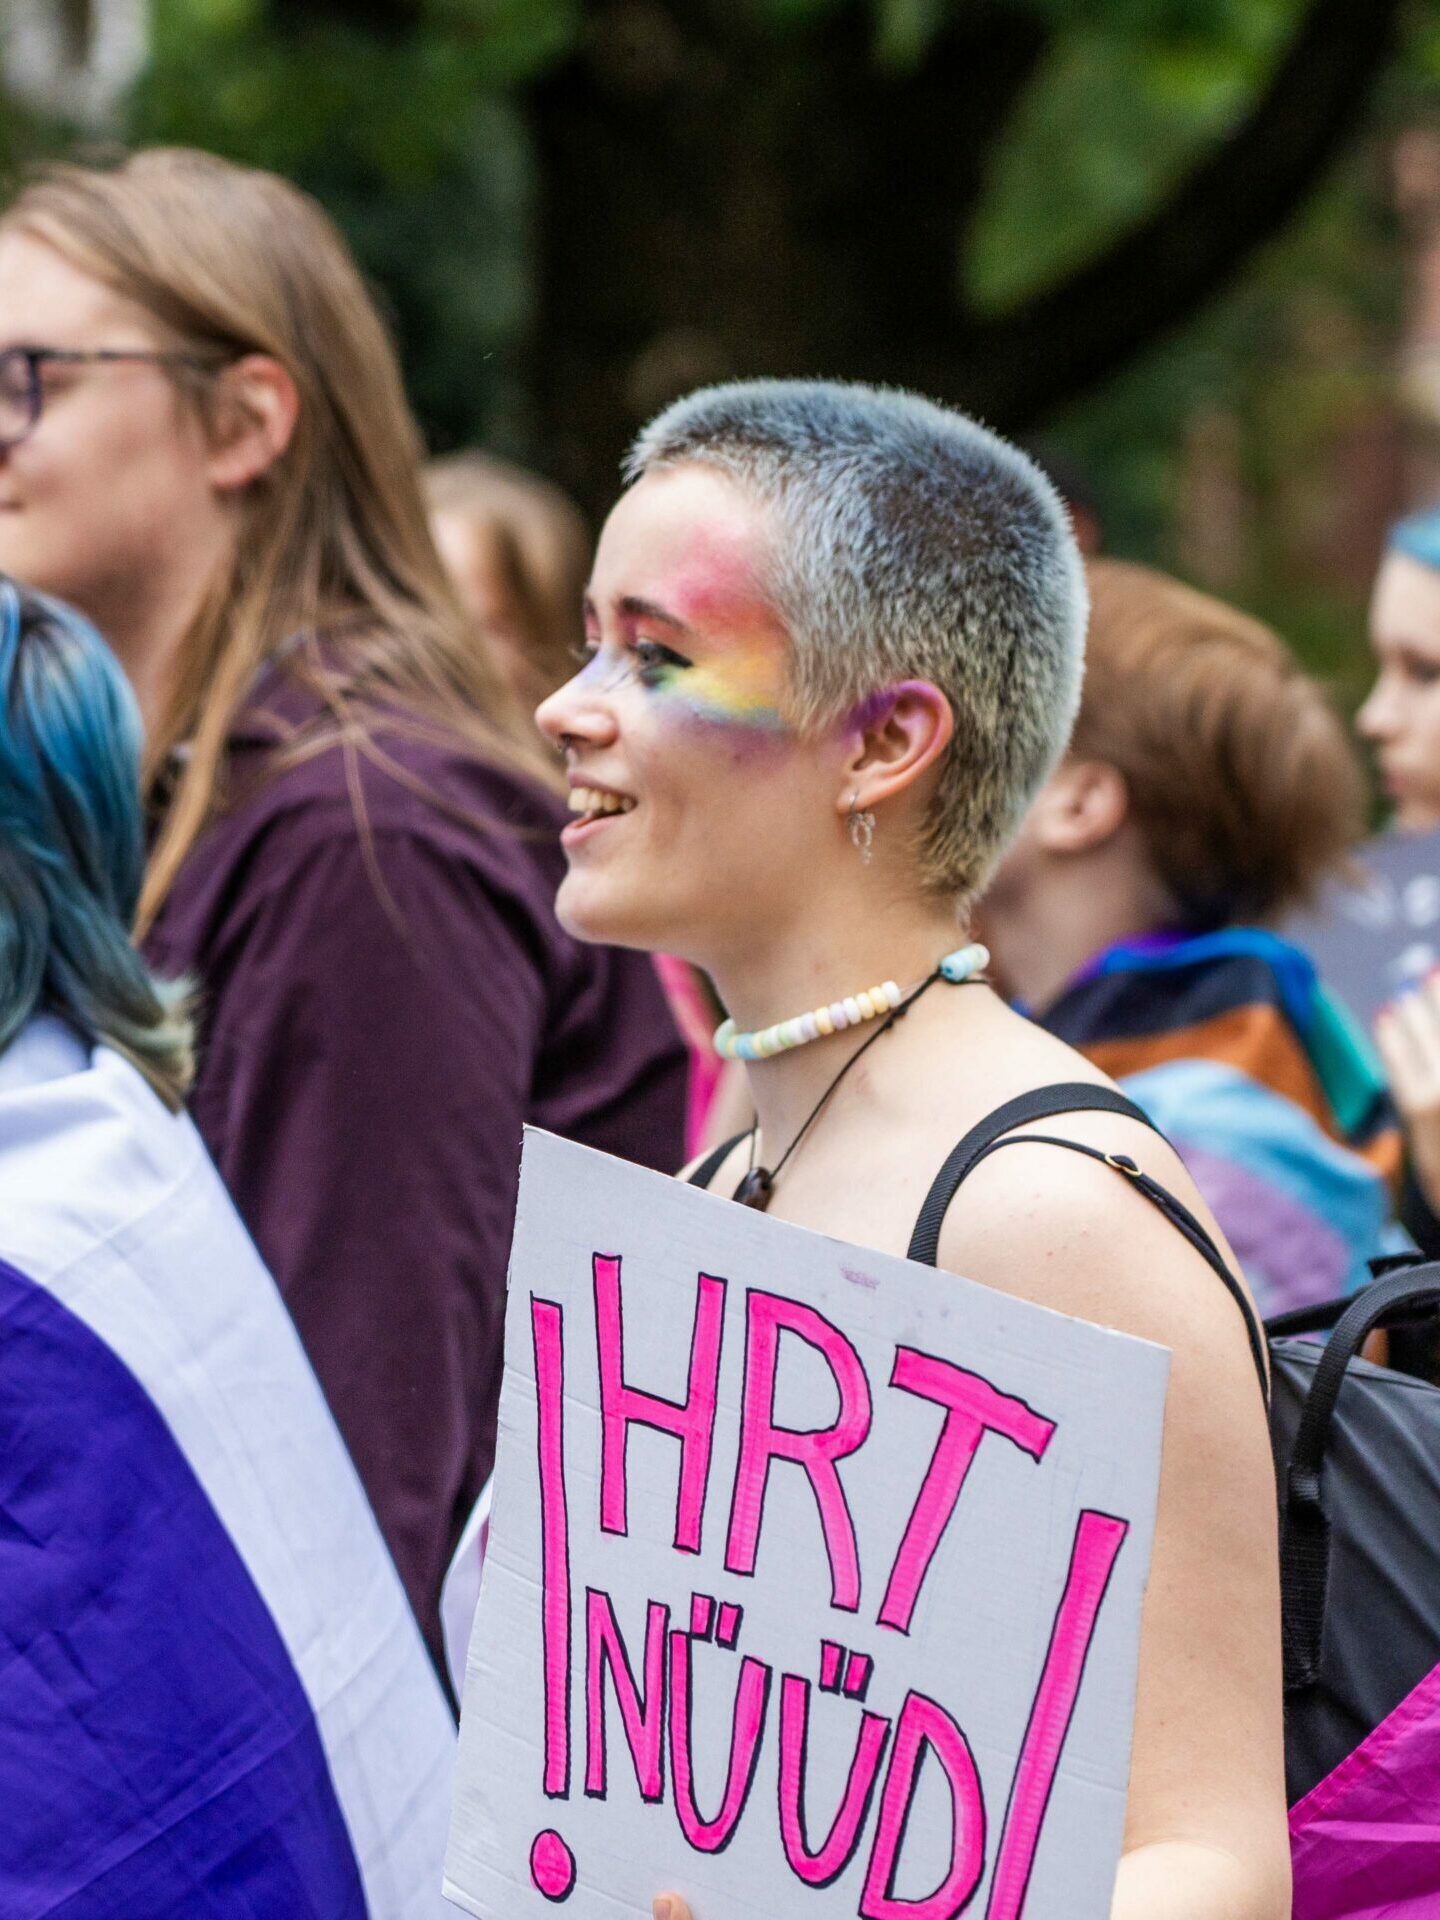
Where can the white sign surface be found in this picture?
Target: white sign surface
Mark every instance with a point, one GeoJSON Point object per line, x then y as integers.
{"type": "Point", "coordinates": [814, 1576]}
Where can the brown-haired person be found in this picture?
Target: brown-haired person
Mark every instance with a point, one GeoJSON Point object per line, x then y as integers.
{"type": "Point", "coordinates": [204, 444]}
{"type": "Point", "coordinates": [1207, 789]}
{"type": "Point", "coordinates": [518, 553]}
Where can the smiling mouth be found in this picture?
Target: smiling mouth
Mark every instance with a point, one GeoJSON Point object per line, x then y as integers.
{"type": "Point", "coordinates": [591, 803]}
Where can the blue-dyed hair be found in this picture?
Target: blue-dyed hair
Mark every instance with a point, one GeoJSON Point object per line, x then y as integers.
{"type": "Point", "coordinates": [1418, 537]}
{"type": "Point", "coordinates": [72, 848]}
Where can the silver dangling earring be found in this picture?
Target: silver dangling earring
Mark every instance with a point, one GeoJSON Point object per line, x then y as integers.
{"type": "Point", "coordinates": [862, 830]}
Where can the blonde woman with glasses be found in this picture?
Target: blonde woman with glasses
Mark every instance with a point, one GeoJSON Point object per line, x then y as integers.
{"type": "Point", "coordinates": [205, 446]}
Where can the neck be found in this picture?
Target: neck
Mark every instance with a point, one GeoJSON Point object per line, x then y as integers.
{"type": "Point", "coordinates": [1041, 935]}
{"type": "Point", "coordinates": [146, 622]}
{"type": "Point", "coordinates": [847, 953]}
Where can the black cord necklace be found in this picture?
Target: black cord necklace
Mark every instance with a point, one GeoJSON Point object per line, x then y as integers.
{"type": "Point", "coordinates": [757, 1186]}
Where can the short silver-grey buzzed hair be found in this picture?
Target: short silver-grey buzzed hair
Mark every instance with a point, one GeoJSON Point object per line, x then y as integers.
{"type": "Point", "coordinates": [911, 544]}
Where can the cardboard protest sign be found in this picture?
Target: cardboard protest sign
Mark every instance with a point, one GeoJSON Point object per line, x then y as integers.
{"type": "Point", "coordinates": [813, 1577]}
{"type": "Point", "coordinates": [1371, 938]}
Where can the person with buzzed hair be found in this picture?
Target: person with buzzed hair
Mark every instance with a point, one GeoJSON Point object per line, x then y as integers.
{"type": "Point", "coordinates": [835, 647]}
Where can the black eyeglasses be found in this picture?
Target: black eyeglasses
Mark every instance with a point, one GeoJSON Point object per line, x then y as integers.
{"type": "Point", "coordinates": [22, 392]}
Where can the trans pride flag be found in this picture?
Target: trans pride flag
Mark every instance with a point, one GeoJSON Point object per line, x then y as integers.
{"type": "Point", "coordinates": [214, 1701]}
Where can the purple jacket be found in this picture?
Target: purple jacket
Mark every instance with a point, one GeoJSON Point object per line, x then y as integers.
{"type": "Point", "coordinates": [381, 1012]}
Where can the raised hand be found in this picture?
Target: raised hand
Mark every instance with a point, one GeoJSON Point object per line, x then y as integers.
{"type": "Point", "coordinates": [1407, 1032]}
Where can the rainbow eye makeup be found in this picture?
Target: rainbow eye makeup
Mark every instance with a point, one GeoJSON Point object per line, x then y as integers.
{"type": "Point", "coordinates": [741, 690]}
{"type": "Point", "coordinates": [602, 672]}
{"type": "Point", "coordinates": [656, 664]}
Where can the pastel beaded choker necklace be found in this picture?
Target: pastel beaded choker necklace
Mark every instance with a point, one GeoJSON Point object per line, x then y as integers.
{"type": "Point", "coordinates": [887, 1004]}
{"type": "Point", "coordinates": [956, 967]}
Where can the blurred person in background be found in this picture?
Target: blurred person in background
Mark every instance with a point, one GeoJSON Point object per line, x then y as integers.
{"type": "Point", "coordinates": [1400, 720]}
{"type": "Point", "coordinates": [214, 1693]}
{"type": "Point", "coordinates": [1208, 788]}
{"type": "Point", "coordinates": [205, 446]}
{"type": "Point", "coordinates": [518, 551]}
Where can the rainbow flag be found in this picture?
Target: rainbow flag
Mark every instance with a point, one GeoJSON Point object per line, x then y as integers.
{"type": "Point", "coordinates": [1269, 1092]}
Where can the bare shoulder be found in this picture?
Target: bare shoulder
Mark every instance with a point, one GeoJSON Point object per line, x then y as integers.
{"type": "Point", "coordinates": [1072, 1233]}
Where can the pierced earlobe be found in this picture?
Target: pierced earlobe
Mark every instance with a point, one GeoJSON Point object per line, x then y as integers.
{"type": "Point", "coordinates": [861, 823]}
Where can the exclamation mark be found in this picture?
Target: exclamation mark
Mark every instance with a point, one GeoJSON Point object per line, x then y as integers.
{"type": "Point", "coordinates": [552, 1865]}
{"type": "Point", "coordinates": [1098, 1539]}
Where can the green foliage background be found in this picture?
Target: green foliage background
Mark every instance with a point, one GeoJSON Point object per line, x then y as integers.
{"type": "Point", "coordinates": [415, 140]}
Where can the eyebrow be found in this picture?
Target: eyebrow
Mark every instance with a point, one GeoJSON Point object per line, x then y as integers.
{"type": "Point", "coordinates": [635, 608]}
{"type": "Point", "coordinates": [1420, 647]}
{"type": "Point", "coordinates": [632, 607]}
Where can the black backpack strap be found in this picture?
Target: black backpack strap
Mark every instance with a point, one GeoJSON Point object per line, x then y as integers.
{"type": "Point", "coordinates": [1319, 1317]}
{"type": "Point", "coordinates": [712, 1163]}
{"type": "Point", "coordinates": [996, 1131]}
{"type": "Point", "coordinates": [1304, 1528]}
{"type": "Point", "coordinates": [1068, 1096]}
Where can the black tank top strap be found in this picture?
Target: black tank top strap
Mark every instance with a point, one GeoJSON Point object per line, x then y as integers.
{"type": "Point", "coordinates": [712, 1163]}
{"type": "Point", "coordinates": [996, 1130]}
{"type": "Point", "coordinates": [1040, 1103]}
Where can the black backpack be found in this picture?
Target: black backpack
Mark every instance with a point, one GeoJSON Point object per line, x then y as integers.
{"type": "Point", "coordinates": [1357, 1453]}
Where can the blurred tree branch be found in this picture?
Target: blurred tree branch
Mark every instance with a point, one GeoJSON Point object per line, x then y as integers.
{"type": "Point", "coordinates": [718, 197]}
{"type": "Point", "coordinates": [578, 208]}
{"type": "Point", "coordinates": [1019, 365]}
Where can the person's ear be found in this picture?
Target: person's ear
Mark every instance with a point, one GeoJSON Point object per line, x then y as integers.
{"type": "Point", "coordinates": [1081, 806]}
{"type": "Point", "coordinates": [894, 738]}
{"type": "Point", "coordinates": [252, 416]}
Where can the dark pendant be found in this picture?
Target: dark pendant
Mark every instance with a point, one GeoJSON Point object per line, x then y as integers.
{"type": "Point", "coordinates": [755, 1189]}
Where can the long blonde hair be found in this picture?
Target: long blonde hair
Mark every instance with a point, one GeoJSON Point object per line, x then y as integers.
{"type": "Point", "coordinates": [333, 539]}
